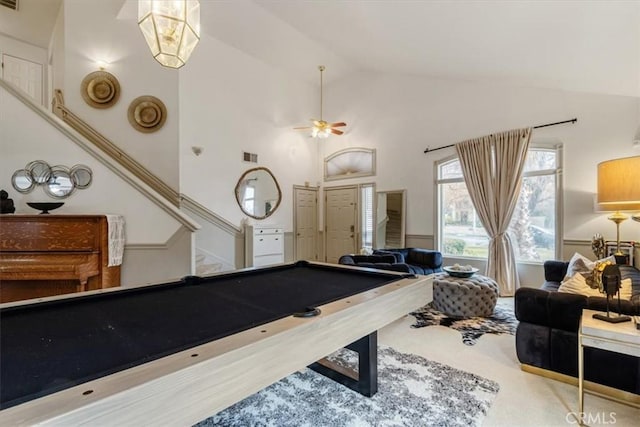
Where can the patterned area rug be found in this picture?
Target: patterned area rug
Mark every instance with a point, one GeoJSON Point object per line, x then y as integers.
{"type": "Point", "coordinates": [503, 321]}
{"type": "Point", "coordinates": [412, 391]}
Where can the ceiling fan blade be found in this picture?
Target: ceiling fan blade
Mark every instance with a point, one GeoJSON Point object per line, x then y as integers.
{"type": "Point", "coordinates": [337, 125]}
{"type": "Point", "coordinates": [336, 132]}
{"type": "Point", "coordinates": [302, 128]}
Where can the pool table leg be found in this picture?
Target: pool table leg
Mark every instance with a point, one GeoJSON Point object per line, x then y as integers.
{"type": "Point", "coordinates": [365, 380]}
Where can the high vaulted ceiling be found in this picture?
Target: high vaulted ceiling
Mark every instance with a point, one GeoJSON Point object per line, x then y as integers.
{"type": "Point", "coordinates": [584, 45]}
{"type": "Point", "coordinates": [578, 45]}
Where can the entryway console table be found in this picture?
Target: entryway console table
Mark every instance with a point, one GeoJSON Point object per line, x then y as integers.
{"type": "Point", "coordinates": [621, 338]}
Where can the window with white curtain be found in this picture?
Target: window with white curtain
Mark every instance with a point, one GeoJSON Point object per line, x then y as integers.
{"type": "Point", "coordinates": [534, 228]}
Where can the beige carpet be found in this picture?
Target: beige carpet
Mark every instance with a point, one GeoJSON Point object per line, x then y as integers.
{"type": "Point", "coordinates": [524, 399]}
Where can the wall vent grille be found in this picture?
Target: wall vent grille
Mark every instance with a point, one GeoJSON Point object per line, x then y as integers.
{"type": "Point", "coordinates": [249, 157]}
{"type": "Point", "coordinates": [11, 4]}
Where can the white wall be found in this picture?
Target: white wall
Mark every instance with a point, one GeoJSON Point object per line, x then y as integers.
{"type": "Point", "coordinates": [93, 33]}
{"type": "Point", "coordinates": [56, 53]}
{"type": "Point", "coordinates": [231, 102]}
{"type": "Point", "coordinates": [400, 116]}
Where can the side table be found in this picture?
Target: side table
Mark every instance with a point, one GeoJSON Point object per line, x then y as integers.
{"type": "Point", "coordinates": [617, 337]}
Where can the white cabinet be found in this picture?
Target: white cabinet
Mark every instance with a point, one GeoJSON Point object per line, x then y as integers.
{"type": "Point", "coordinates": [264, 245]}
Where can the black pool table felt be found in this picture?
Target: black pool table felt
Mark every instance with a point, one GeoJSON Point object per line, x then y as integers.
{"type": "Point", "coordinates": [51, 346]}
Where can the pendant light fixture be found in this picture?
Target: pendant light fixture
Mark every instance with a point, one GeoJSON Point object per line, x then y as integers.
{"type": "Point", "coordinates": [171, 28]}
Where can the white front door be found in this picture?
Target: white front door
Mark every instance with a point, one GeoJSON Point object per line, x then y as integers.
{"type": "Point", "coordinates": [24, 74]}
{"type": "Point", "coordinates": [341, 220]}
{"type": "Point", "coordinates": [306, 222]}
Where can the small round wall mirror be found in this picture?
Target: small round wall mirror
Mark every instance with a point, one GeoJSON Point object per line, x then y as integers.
{"type": "Point", "coordinates": [22, 181]}
{"type": "Point", "coordinates": [60, 184]}
{"type": "Point", "coordinates": [81, 175]}
{"type": "Point", "coordinates": [258, 193]}
{"type": "Point", "coordinates": [39, 170]}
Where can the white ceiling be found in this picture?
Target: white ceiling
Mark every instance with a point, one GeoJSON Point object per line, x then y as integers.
{"type": "Point", "coordinates": [588, 45]}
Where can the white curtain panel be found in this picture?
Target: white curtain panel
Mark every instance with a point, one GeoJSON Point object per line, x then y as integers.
{"type": "Point", "coordinates": [492, 167]}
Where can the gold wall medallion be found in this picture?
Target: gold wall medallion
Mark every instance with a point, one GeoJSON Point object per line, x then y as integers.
{"type": "Point", "coordinates": [100, 89]}
{"type": "Point", "coordinates": [147, 113]}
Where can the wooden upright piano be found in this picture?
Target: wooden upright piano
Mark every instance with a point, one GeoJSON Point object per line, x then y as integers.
{"type": "Point", "coordinates": [43, 255]}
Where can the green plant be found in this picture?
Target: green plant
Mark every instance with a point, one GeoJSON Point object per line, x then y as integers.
{"type": "Point", "coordinates": [454, 246]}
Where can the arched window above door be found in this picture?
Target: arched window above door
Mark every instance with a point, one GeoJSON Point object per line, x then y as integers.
{"type": "Point", "coordinates": [350, 163]}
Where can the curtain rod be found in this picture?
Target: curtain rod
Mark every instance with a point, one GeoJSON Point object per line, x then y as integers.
{"type": "Point", "coordinates": [428, 150]}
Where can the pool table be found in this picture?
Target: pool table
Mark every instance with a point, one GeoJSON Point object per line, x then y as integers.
{"type": "Point", "coordinates": [178, 352]}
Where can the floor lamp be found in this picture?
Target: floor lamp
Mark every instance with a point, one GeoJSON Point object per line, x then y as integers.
{"type": "Point", "coordinates": [619, 190]}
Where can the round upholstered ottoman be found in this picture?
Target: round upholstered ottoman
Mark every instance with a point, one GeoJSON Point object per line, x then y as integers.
{"type": "Point", "coordinates": [469, 297]}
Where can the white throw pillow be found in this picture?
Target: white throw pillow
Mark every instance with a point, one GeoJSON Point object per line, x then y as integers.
{"type": "Point", "coordinates": [581, 264]}
{"type": "Point", "coordinates": [577, 284]}
{"type": "Point", "coordinates": [626, 289]}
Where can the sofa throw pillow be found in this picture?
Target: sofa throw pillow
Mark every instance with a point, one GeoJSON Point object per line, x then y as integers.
{"type": "Point", "coordinates": [626, 289]}
{"type": "Point", "coordinates": [583, 265]}
{"type": "Point", "coordinates": [577, 284]}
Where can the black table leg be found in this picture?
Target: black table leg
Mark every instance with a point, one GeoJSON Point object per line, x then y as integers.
{"type": "Point", "coordinates": [365, 380]}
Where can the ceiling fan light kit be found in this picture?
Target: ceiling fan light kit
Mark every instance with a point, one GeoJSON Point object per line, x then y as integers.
{"type": "Point", "coordinates": [321, 128]}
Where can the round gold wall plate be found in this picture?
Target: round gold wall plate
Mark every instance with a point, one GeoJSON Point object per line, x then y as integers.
{"type": "Point", "coordinates": [100, 89]}
{"type": "Point", "coordinates": [147, 113]}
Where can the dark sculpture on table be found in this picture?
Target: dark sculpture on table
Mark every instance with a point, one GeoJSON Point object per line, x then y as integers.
{"type": "Point", "coordinates": [6, 204]}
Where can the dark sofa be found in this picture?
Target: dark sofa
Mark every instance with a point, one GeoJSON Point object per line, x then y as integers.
{"type": "Point", "coordinates": [420, 261]}
{"type": "Point", "coordinates": [382, 262]}
{"type": "Point", "coordinates": [408, 260]}
{"type": "Point", "coordinates": [547, 335]}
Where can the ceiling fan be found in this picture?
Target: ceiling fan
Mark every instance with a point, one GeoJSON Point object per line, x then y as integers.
{"type": "Point", "coordinates": [322, 128]}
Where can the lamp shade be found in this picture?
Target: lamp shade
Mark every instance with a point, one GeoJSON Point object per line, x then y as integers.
{"type": "Point", "coordinates": [171, 28]}
{"type": "Point", "coordinates": [619, 185]}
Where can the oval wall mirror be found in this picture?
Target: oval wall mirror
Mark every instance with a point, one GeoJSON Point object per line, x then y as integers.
{"type": "Point", "coordinates": [258, 193]}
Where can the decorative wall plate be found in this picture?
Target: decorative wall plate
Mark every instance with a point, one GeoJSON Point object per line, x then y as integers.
{"type": "Point", "coordinates": [100, 89]}
{"type": "Point", "coordinates": [147, 113]}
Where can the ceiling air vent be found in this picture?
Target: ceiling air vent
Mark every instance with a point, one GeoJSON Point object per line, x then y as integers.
{"type": "Point", "coordinates": [249, 157]}
{"type": "Point", "coordinates": [11, 4]}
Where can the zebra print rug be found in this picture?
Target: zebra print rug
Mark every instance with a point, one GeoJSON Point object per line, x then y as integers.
{"type": "Point", "coordinates": [503, 321]}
